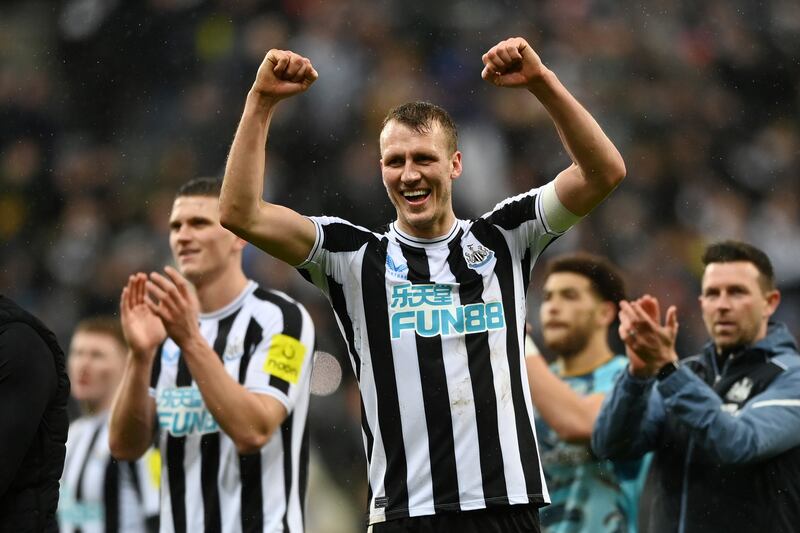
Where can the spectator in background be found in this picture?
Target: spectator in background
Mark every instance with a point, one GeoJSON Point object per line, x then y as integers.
{"type": "Point", "coordinates": [724, 425]}
{"type": "Point", "coordinates": [579, 304]}
{"type": "Point", "coordinates": [34, 388]}
{"type": "Point", "coordinates": [99, 493]}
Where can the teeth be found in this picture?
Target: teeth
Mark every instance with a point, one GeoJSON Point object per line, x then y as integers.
{"type": "Point", "coordinates": [413, 194]}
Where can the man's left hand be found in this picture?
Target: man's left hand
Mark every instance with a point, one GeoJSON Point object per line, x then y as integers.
{"type": "Point", "coordinates": [171, 298]}
{"type": "Point", "coordinates": [640, 329]}
{"type": "Point", "coordinates": [512, 63]}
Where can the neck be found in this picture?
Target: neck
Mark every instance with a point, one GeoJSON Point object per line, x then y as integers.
{"type": "Point", "coordinates": [596, 353]}
{"type": "Point", "coordinates": [92, 408]}
{"type": "Point", "coordinates": [218, 292]}
{"type": "Point", "coordinates": [436, 229]}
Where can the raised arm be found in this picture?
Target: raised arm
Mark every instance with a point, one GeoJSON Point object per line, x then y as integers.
{"type": "Point", "coordinates": [597, 165]}
{"type": "Point", "coordinates": [133, 412]}
{"type": "Point", "coordinates": [278, 230]}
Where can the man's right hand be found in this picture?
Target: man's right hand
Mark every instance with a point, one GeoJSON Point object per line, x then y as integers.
{"type": "Point", "coordinates": [283, 74]}
{"type": "Point", "coordinates": [142, 328]}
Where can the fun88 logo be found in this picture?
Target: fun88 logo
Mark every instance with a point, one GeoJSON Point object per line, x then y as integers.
{"type": "Point", "coordinates": [428, 310]}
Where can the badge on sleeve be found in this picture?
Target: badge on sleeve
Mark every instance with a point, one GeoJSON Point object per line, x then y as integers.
{"type": "Point", "coordinates": [285, 357]}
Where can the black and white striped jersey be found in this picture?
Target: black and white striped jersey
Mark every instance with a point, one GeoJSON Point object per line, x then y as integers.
{"type": "Point", "coordinates": [100, 494]}
{"type": "Point", "coordinates": [266, 342]}
{"type": "Point", "coordinates": [435, 331]}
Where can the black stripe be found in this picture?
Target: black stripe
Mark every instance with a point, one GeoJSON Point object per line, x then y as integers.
{"type": "Point", "coordinates": [526, 269]}
{"type": "Point", "coordinates": [480, 371]}
{"type": "Point", "coordinates": [292, 327]}
{"type": "Point", "coordinates": [373, 282]}
{"type": "Point", "coordinates": [435, 395]}
{"type": "Point", "coordinates": [252, 338]}
{"type": "Point", "coordinates": [504, 271]}
{"type": "Point", "coordinates": [515, 213]}
{"type": "Point", "coordinates": [156, 370]}
{"type": "Point", "coordinates": [252, 498]}
{"type": "Point", "coordinates": [303, 472]}
{"type": "Point", "coordinates": [111, 495]}
{"type": "Point", "coordinates": [341, 237]}
{"type": "Point", "coordinates": [184, 377]}
{"type": "Point", "coordinates": [135, 481]}
{"type": "Point", "coordinates": [210, 445]}
{"type": "Point", "coordinates": [209, 471]}
{"type": "Point", "coordinates": [339, 305]}
{"type": "Point", "coordinates": [286, 441]}
{"type": "Point", "coordinates": [82, 471]}
{"type": "Point", "coordinates": [177, 481]}
{"type": "Point", "coordinates": [370, 444]}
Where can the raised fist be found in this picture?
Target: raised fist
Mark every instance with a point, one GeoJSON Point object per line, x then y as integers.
{"type": "Point", "coordinates": [284, 73]}
{"type": "Point", "coordinates": [512, 63]}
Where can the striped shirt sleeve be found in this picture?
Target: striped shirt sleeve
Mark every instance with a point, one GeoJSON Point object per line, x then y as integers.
{"type": "Point", "coordinates": [533, 219]}
{"type": "Point", "coordinates": [281, 362]}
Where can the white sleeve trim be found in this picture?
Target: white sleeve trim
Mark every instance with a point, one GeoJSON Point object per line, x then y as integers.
{"type": "Point", "coordinates": [556, 216]}
{"type": "Point", "coordinates": [776, 403]}
{"type": "Point", "coordinates": [275, 393]}
{"type": "Point", "coordinates": [317, 245]}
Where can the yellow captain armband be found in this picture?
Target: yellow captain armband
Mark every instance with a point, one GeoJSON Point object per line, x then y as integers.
{"type": "Point", "coordinates": [285, 357]}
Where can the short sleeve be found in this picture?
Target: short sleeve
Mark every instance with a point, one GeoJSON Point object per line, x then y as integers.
{"type": "Point", "coordinates": [281, 362]}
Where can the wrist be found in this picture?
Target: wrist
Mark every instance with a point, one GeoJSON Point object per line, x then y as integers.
{"type": "Point", "coordinates": [541, 80]}
{"type": "Point", "coordinates": [667, 370]}
{"type": "Point", "coordinates": [260, 102]}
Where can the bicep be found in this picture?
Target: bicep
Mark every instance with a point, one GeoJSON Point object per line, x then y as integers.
{"type": "Point", "coordinates": [281, 232]}
{"type": "Point", "coordinates": [578, 194]}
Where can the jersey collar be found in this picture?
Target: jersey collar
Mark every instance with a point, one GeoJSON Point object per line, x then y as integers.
{"type": "Point", "coordinates": [419, 242]}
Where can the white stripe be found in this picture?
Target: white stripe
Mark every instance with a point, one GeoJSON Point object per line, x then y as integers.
{"type": "Point", "coordinates": [777, 403]}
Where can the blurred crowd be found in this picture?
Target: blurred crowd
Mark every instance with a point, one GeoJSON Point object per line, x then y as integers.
{"type": "Point", "coordinates": [107, 106]}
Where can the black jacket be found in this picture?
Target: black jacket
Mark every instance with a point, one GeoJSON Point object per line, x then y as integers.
{"type": "Point", "coordinates": [726, 440]}
{"type": "Point", "coordinates": [34, 389]}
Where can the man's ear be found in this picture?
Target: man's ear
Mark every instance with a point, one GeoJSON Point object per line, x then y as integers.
{"type": "Point", "coordinates": [608, 313]}
{"type": "Point", "coordinates": [457, 167]}
{"type": "Point", "coordinates": [773, 300]}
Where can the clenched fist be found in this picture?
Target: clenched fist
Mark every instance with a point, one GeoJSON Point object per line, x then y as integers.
{"type": "Point", "coordinates": [512, 63]}
{"type": "Point", "coordinates": [283, 74]}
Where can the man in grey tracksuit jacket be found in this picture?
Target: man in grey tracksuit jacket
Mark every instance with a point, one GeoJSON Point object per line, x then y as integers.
{"type": "Point", "coordinates": [724, 424]}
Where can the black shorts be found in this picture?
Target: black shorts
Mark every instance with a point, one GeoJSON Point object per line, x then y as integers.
{"type": "Point", "coordinates": [511, 519]}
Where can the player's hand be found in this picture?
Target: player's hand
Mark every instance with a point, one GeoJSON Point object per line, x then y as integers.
{"type": "Point", "coordinates": [649, 344]}
{"type": "Point", "coordinates": [512, 63]}
{"type": "Point", "coordinates": [143, 330]}
{"type": "Point", "coordinates": [283, 74]}
{"type": "Point", "coordinates": [172, 299]}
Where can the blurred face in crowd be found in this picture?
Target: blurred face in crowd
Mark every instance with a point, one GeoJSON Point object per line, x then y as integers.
{"type": "Point", "coordinates": [572, 313]}
{"type": "Point", "coordinates": [203, 250]}
{"type": "Point", "coordinates": [95, 366]}
{"type": "Point", "coordinates": [418, 171]}
{"type": "Point", "coordinates": [736, 306]}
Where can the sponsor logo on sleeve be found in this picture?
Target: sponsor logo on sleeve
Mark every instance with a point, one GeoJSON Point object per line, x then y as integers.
{"type": "Point", "coordinates": [285, 357]}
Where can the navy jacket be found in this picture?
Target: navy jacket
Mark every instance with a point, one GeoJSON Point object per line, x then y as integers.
{"type": "Point", "coordinates": [726, 441]}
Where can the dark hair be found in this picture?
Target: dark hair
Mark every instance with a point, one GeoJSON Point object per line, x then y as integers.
{"type": "Point", "coordinates": [420, 116]}
{"type": "Point", "coordinates": [200, 187]}
{"type": "Point", "coordinates": [104, 325]}
{"type": "Point", "coordinates": [732, 251]}
{"type": "Point", "coordinates": [605, 278]}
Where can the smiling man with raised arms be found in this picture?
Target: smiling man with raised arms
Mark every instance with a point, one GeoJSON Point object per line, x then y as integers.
{"type": "Point", "coordinates": [432, 307]}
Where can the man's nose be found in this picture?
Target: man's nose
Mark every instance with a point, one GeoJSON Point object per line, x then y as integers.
{"type": "Point", "coordinates": [410, 173]}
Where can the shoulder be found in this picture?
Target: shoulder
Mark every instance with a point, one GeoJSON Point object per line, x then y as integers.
{"type": "Point", "coordinates": [606, 375]}
{"type": "Point", "coordinates": [341, 235]}
{"type": "Point", "coordinates": [21, 344]}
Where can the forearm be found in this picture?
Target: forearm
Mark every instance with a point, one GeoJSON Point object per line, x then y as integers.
{"type": "Point", "coordinates": [622, 429]}
{"type": "Point", "coordinates": [242, 186]}
{"type": "Point", "coordinates": [238, 411]}
{"type": "Point", "coordinates": [599, 161]}
{"type": "Point", "coordinates": [570, 415]}
{"type": "Point", "coordinates": [131, 424]}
